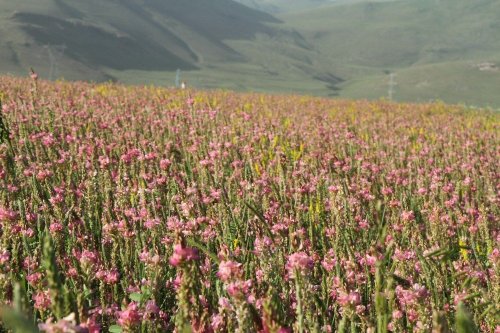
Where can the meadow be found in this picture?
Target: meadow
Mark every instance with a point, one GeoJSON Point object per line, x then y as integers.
{"type": "Point", "coordinates": [144, 209]}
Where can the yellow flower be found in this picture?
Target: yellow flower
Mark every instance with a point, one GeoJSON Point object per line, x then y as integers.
{"type": "Point", "coordinates": [463, 252]}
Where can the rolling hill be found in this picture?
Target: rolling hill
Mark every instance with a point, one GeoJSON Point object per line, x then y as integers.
{"type": "Point", "coordinates": [437, 49]}
{"type": "Point", "coordinates": [399, 34]}
{"type": "Point", "coordinates": [100, 37]}
{"type": "Point", "coordinates": [282, 6]}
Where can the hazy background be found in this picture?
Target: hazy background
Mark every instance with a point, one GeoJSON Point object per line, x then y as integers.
{"type": "Point", "coordinates": [412, 50]}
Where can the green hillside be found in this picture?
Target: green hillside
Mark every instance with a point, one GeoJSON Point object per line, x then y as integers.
{"type": "Point", "coordinates": [282, 6]}
{"type": "Point", "coordinates": [451, 82]}
{"type": "Point", "coordinates": [98, 36]}
{"type": "Point", "coordinates": [403, 33]}
{"type": "Point", "coordinates": [438, 49]}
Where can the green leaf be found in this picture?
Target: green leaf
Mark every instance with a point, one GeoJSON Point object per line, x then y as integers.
{"type": "Point", "coordinates": [204, 249]}
{"type": "Point", "coordinates": [186, 329]}
{"type": "Point", "coordinates": [16, 321]}
{"type": "Point", "coordinates": [464, 321]}
{"type": "Point", "coordinates": [20, 302]}
{"type": "Point", "coordinates": [115, 329]}
{"type": "Point", "coordinates": [136, 297]}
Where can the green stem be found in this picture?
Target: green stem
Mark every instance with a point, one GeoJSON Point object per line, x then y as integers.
{"type": "Point", "coordinates": [298, 294]}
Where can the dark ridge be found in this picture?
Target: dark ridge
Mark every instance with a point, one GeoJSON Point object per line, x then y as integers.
{"type": "Point", "coordinates": [14, 57]}
{"type": "Point", "coordinates": [332, 82]}
{"type": "Point", "coordinates": [94, 46]}
{"type": "Point", "coordinates": [147, 17]}
{"type": "Point", "coordinates": [226, 19]}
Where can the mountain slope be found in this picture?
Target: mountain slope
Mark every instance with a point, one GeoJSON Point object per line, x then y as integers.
{"type": "Point", "coordinates": [282, 6]}
{"type": "Point", "coordinates": [105, 34]}
{"type": "Point", "coordinates": [403, 33]}
{"type": "Point", "coordinates": [438, 49]}
{"type": "Point", "coordinates": [442, 42]}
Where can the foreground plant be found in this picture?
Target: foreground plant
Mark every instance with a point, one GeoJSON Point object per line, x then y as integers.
{"type": "Point", "coordinates": [141, 209]}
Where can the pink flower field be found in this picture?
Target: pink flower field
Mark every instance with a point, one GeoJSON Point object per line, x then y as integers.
{"type": "Point", "coordinates": [144, 209]}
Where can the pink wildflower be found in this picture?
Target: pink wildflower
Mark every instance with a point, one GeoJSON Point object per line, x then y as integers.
{"type": "Point", "coordinates": [42, 300]}
{"type": "Point", "coordinates": [55, 227]}
{"type": "Point", "coordinates": [217, 322]}
{"type": "Point", "coordinates": [130, 316]}
{"type": "Point", "coordinates": [33, 75]}
{"type": "Point", "coordinates": [182, 255]}
{"type": "Point", "coordinates": [112, 277]}
{"type": "Point", "coordinates": [4, 257]}
{"type": "Point", "coordinates": [239, 288]}
{"type": "Point", "coordinates": [351, 299]}
{"type": "Point", "coordinates": [165, 164]}
{"type": "Point", "coordinates": [299, 262]}
{"type": "Point", "coordinates": [34, 278]}
{"type": "Point", "coordinates": [408, 216]}
{"type": "Point", "coordinates": [7, 215]}
{"type": "Point", "coordinates": [151, 310]}
{"type": "Point", "coordinates": [228, 270]}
